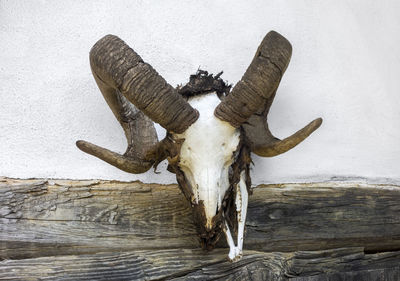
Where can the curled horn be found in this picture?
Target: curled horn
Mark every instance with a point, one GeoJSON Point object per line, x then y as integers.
{"type": "Point", "coordinates": [116, 64]}
{"type": "Point", "coordinates": [259, 82]}
{"type": "Point", "coordinates": [135, 92]}
{"type": "Point", "coordinates": [249, 102]}
{"type": "Point", "coordinates": [264, 144]}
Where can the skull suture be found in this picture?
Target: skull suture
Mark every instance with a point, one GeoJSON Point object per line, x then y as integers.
{"type": "Point", "coordinates": [211, 131]}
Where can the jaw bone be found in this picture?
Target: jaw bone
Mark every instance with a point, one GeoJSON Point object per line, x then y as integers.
{"type": "Point", "coordinates": [241, 201]}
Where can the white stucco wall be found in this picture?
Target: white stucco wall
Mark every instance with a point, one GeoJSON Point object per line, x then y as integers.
{"type": "Point", "coordinates": [345, 67]}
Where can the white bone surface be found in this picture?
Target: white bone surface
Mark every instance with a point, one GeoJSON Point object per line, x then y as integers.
{"type": "Point", "coordinates": [233, 250]}
{"type": "Point", "coordinates": [207, 153]}
{"type": "Point", "coordinates": [241, 200]}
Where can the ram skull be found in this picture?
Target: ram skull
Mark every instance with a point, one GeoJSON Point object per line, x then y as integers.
{"type": "Point", "coordinates": [211, 129]}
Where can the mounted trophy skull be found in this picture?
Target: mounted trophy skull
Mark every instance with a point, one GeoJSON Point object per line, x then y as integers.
{"type": "Point", "coordinates": [211, 129]}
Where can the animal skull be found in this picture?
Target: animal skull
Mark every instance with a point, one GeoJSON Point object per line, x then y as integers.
{"type": "Point", "coordinates": [211, 131]}
{"type": "Point", "coordinates": [207, 136]}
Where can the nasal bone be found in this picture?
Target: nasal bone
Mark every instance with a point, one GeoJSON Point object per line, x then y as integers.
{"type": "Point", "coordinates": [209, 193]}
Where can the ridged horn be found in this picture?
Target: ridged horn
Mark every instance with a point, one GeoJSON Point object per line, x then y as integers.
{"type": "Point", "coordinates": [263, 143]}
{"type": "Point", "coordinates": [250, 100]}
{"type": "Point", "coordinates": [139, 131]}
{"type": "Point", "coordinates": [123, 162]}
{"type": "Point", "coordinates": [131, 88]}
{"type": "Point", "coordinates": [259, 82]}
{"type": "Point", "coordinates": [120, 67]}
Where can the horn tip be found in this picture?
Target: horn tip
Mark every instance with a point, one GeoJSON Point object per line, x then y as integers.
{"type": "Point", "coordinates": [79, 143]}
{"type": "Point", "coordinates": [273, 32]}
{"type": "Point", "coordinates": [83, 145]}
{"type": "Point", "coordinates": [317, 122]}
{"type": "Point", "coordinates": [279, 39]}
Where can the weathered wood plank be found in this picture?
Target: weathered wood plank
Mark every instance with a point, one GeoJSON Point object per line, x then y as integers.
{"type": "Point", "coordinates": [94, 214]}
{"type": "Point", "coordinates": [40, 215]}
{"type": "Point", "coordinates": [195, 264]}
{"type": "Point", "coordinates": [304, 266]}
{"type": "Point", "coordinates": [102, 230]}
{"type": "Point", "coordinates": [324, 215]}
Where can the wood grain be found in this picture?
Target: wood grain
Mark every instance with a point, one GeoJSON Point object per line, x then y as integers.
{"type": "Point", "coordinates": [107, 230]}
{"type": "Point", "coordinates": [195, 264]}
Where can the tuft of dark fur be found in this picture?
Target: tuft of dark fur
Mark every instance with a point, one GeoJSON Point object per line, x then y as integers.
{"type": "Point", "coordinates": [202, 82]}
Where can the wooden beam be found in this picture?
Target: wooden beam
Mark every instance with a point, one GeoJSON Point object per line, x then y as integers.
{"type": "Point", "coordinates": [317, 216]}
{"type": "Point", "coordinates": [56, 225]}
{"type": "Point", "coordinates": [195, 264]}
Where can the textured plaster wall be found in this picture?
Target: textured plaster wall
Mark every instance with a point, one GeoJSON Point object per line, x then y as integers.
{"type": "Point", "coordinates": [345, 68]}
